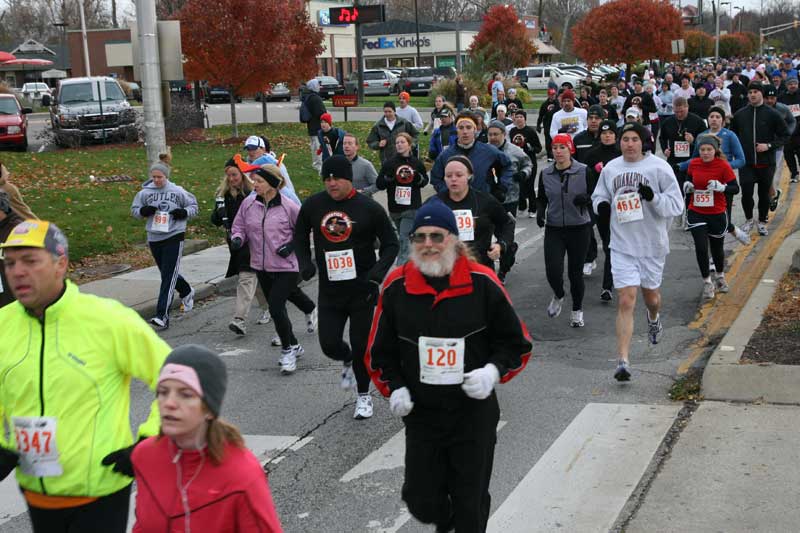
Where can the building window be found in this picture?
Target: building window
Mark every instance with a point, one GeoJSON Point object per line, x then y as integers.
{"type": "Point", "coordinates": [426, 61]}
{"type": "Point", "coordinates": [375, 62]}
{"type": "Point", "coordinates": [401, 62]}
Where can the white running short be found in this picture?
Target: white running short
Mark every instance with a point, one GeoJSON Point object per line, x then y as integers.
{"type": "Point", "coordinates": [632, 271]}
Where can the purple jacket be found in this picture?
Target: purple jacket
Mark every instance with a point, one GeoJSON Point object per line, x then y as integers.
{"type": "Point", "coordinates": [265, 228]}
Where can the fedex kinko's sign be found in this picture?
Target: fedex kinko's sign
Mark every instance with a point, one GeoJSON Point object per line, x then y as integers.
{"type": "Point", "coordinates": [383, 43]}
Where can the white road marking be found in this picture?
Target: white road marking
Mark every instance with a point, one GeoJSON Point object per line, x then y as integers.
{"type": "Point", "coordinates": [579, 484]}
{"type": "Point", "coordinates": [236, 351]}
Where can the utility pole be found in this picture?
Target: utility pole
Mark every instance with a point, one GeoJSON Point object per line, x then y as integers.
{"type": "Point", "coordinates": [416, 22]}
{"type": "Point", "coordinates": [360, 61]}
{"type": "Point", "coordinates": [155, 138]}
{"type": "Point", "coordinates": [85, 40]}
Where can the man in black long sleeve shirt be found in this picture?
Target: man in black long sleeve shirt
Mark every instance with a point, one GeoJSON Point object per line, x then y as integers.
{"type": "Point", "coordinates": [678, 134]}
{"type": "Point", "coordinates": [345, 225]}
{"type": "Point", "coordinates": [642, 99]}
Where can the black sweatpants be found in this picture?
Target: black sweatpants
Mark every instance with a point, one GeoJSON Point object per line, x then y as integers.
{"type": "Point", "coordinates": [749, 179]}
{"type": "Point", "coordinates": [791, 153]}
{"type": "Point", "coordinates": [604, 229]}
{"type": "Point", "coordinates": [449, 459]}
{"type": "Point", "coordinates": [527, 191]}
{"type": "Point", "coordinates": [571, 241]}
{"type": "Point", "coordinates": [280, 287]}
{"type": "Point", "coordinates": [509, 256]}
{"type": "Point", "coordinates": [708, 232]}
{"type": "Point", "coordinates": [333, 314]}
{"type": "Point", "coordinates": [167, 254]}
{"type": "Point", "coordinates": [591, 251]}
{"type": "Point", "coordinates": [108, 514]}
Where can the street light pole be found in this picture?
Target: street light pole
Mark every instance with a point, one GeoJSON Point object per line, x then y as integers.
{"type": "Point", "coordinates": [154, 133]}
{"type": "Point", "coordinates": [716, 30]}
{"type": "Point", "coordinates": [85, 40]}
{"type": "Point", "coordinates": [416, 22]}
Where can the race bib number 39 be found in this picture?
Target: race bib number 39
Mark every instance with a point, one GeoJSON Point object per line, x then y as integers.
{"type": "Point", "coordinates": [628, 207]}
{"type": "Point", "coordinates": [341, 265]}
{"type": "Point", "coordinates": [36, 445]}
{"type": "Point", "coordinates": [441, 361]}
{"type": "Point", "coordinates": [465, 223]}
{"type": "Point", "coordinates": [402, 195]}
{"type": "Point", "coordinates": [703, 199]}
{"type": "Point", "coordinates": [160, 222]}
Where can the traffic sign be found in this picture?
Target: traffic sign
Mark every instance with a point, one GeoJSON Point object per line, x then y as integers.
{"type": "Point", "coordinates": [357, 14]}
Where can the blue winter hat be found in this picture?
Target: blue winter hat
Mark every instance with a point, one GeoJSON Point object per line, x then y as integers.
{"type": "Point", "coordinates": [435, 213]}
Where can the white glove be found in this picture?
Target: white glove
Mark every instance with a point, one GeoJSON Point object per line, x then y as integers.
{"type": "Point", "coordinates": [400, 403]}
{"type": "Point", "coordinates": [716, 186]}
{"type": "Point", "coordinates": [479, 383]}
{"type": "Point", "coordinates": [688, 187]}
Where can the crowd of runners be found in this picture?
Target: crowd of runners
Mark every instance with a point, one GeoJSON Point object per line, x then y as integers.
{"type": "Point", "coordinates": [419, 282]}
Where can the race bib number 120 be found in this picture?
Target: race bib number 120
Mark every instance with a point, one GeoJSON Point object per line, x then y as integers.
{"type": "Point", "coordinates": [36, 445]}
{"type": "Point", "coordinates": [441, 361]}
{"type": "Point", "coordinates": [628, 207]}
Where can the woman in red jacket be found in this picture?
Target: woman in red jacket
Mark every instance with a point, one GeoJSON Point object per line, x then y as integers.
{"type": "Point", "coordinates": [197, 474]}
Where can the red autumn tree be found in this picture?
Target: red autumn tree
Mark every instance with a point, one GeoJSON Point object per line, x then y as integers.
{"type": "Point", "coordinates": [698, 44]}
{"type": "Point", "coordinates": [245, 44]}
{"type": "Point", "coordinates": [626, 31]}
{"type": "Point", "coordinates": [502, 42]}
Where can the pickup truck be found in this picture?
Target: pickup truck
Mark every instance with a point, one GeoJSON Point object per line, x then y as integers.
{"type": "Point", "coordinates": [90, 109]}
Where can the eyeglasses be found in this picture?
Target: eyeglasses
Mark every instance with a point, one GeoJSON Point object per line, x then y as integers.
{"type": "Point", "coordinates": [419, 238]}
{"type": "Point", "coordinates": [251, 147]}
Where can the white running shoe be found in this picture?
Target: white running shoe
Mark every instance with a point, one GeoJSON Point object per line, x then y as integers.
{"type": "Point", "coordinates": [298, 351]}
{"type": "Point", "coordinates": [363, 407]}
{"type": "Point", "coordinates": [532, 214]}
{"type": "Point", "coordinates": [747, 227]}
{"type": "Point", "coordinates": [187, 302]}
{"type": "Point", "coordinates": [159, 322]}
{"type": "Point", "coordinates": [311, 321]}
{"type": "Point", "coordinates": [576, 319]}
{"type": "Point", "coordinates": [554, 308]}
{"type": "Point", "coordinates": [265, 318]}
{"type": "Point", "coordinates": [708, 290]}
{"type": "Point", "coordinates": [720, 283]}
{"type": "Point", "coordinates": [588, 268]}
{"type": "Point", "coordinates": [741, 236]}
{"type": "Point", "coordinates": [288, 361]}
{"type": "Point", "coordinates": [348, 378]}
{"type": "Point", "coordinates": [238, 326]}
{"type": "Point", "coordinates": [276, 341]}
{"type": "Point", "coordinates": [762, 229]}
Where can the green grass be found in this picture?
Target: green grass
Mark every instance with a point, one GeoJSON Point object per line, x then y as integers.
{"type": "Point", "coordinates": [96, 217]}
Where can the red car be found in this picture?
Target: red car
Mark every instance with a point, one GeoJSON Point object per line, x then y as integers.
{"type": "Point", "coordinates": [13, 123]}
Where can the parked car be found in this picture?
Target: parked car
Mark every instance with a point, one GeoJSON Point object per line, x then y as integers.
{"type": "Point", "coordinates": [13, 123]}
{"type": "Point", "coordinates": [275, 91]}
{"type": "Point", "coordinates": [328, 86]}
{"type": "Point", "coordinates": [90, 108]}
{"type": "Point", "coordinates": [440, 73]}
{"type": "Point", "coordinates": [376, 82]}
{"type": "Point", "coordinates": [538, 76]}
{"type": "Point", "coordinates": [416, 80]}
{"type": "Point", "coordinates": [35, 91]}
{"type": "Point", "coordinates": [220, 95]}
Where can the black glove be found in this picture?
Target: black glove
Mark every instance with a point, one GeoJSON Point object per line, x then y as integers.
{"type": "Point", "coordinates": [308, 271]}
{"type": "Point", "coordinates": [499, 193]}
{"type": "Point", "coordinates": [604, 211]}
{"type": "Point", "coordinates": [179, 214]}
{"type": "Point", "coordinates": [540, 218]}
{"type": "Point", "coordinates": [8, 461]}
{"type": "Point", "coordinates": [646, 192]}
{"type": "Point", "coordinates": [121, 459]}
{"type": "Point", "coordinates": [582, 200]}
{"type": "Point", "coordinates": [236, 243]}
{"type": "Point", "coordinates": [147, 210]}
{"type": "Point", "coordinates": [373, 291]}
{"type": "Point", "coordinates": [285, 250]}
{"type": "Point", "coordinates": [538, 129]}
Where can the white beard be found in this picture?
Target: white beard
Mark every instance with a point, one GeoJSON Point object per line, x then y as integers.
{"type": "Point", "coordinates": [436, 268]}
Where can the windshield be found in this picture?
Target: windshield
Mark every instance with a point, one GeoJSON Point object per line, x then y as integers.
{"type": "Point", "coordinates": [420, 72]}
{"type": "Point", "coordinates": [8, 106]}
{"type": "Point", "coordinates": [76, 92]}
{"type": "Point", "coordinates": [113, 92]}
{"type": "Point", "coordinates": [374, 75]}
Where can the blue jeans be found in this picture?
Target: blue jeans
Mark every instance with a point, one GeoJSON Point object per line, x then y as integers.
{"type": "Point", "coordinates": [403, 223]}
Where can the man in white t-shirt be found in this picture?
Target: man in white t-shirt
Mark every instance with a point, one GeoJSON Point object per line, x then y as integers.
{"type": "Point", "coordinates": [568, 119]}
{"type": "Point", "coordinates": [639, 194]}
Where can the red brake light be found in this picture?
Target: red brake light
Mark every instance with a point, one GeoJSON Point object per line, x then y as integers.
{"type": "Point", "coordinates": [366, 84]}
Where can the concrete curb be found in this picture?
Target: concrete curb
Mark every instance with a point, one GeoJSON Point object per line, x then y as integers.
{"type": "Point", "coordinates": [725, 377]}
{"type": "Point", "coordinates": [147, 309]}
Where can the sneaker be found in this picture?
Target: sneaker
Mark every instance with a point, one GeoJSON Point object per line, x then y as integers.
{"type": "Point", "coordinates": [187, 302]}
{"type": "Point", "coordinates": [708, 290]}
{"type": "Point", "coordinates": [298, 351]}
{"type": "Point", "coordinates": [654, 329]}
{"type": "Point", "coordinates": [265, 318]}
{"type": "Point", "coordinates": [741, 236]}
{"type": "Point", "coordinates": [588, 268]}
{"type": "Point", "coordinates": [237, 326]}
{"type": "Point", "coordinates": [773, 204]}
{"type": "Point", "coordinates": [159, 322]}
{"type": "Point", "coordinates": [576, 319]}
{"type": "Point", "coordinates": [762, 229]}
{"type": "Point", "coordinates": [794, 179]}
{"type": "Point", "coordinates": [720, 283]}
{"type": "Point", "coordinates": [747, 227]}
{"type": "Point", "coordinates": [276, 341]}
{"type": "Point", "coordinates": [605, 296]}
{"type": "Point", "coordinates": [311, 321]}
{"type": "Point", "coordinates": [711, 265]}
{"type": "Point", "coordinates": [532, 214]}
{"type": "Point", "coordinates": [554, 308]}
{"type": "Point", "coordinates": [623, 372]}
{"type": "Point", "coordinates": [363, 407]}
{"type": "Point", "coordinates": [348, 378]}
{"type": "Point", "coordinates": [288, 361]}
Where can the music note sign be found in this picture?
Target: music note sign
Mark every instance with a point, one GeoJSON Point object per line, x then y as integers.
{"type": "Point", "coordinates": [356, 15]}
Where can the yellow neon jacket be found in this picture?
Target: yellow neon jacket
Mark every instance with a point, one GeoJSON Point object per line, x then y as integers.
{"type": "Point", "coordinates": [76, 365]}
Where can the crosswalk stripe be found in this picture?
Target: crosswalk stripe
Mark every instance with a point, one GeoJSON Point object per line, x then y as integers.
{"type": "Point", "coordinates": [585, 478]}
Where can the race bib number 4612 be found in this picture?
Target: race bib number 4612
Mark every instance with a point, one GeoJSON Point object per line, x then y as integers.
{"type": "Point", "coordinates": [628, 207]}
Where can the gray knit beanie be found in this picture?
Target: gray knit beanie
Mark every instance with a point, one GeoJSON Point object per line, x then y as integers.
{"type": "Point", "coordinates": [159, 166]}
{"type": "Point", "coordinates": [209, 373]}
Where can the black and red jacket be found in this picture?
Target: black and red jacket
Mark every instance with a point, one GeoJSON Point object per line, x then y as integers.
{"type": "Point", "coordinates": [471, 304]}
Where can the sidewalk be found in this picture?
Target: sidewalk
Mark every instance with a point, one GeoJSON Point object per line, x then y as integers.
{"type": "Point", "coordinates": [734, 468]}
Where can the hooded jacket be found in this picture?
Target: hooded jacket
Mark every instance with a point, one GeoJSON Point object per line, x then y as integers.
{"type": "Point", "coordinates": [316, 107]}
{"type": "Point", "coordinates": [265, 228]}
{"type": "Point", "coordinates": [6, 225]}
{"type": "Point", "coordinates": [761, 124]}
{"type": "Point", "coordinates": [521, 166]}
{"type": "Point", "coordinates": [380, 131]}
{"type": "Point", "coordinates": [17, 203]}
{"type": "Point", "coordinates": [166, 198]}
{"type": "Point", "coordinates": [491, 167]}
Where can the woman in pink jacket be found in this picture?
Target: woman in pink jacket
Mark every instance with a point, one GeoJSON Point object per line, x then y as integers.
{"type": "Point", "coordinates": [197, 475]}
{"type": "Point", "coordinates": [265, 222]}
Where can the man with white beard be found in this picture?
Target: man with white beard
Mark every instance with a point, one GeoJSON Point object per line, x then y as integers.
{"type": "Point", "coordinates": [444, 334]}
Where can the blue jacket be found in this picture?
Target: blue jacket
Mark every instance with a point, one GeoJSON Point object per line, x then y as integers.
{"type": "Point", "coordinates": [435, 146]}
{"type": "Point", "coordinates": [484, 158]}
{"type": "Point", "coordinates": [288, 187]}
{"type": "Point", "coordinates": [337, 150]}
{"type": "Point", "coordinates": [731, 147]}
